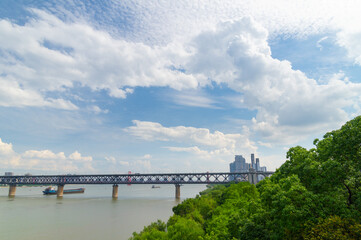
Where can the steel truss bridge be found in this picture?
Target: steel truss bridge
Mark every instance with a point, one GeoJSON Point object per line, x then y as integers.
{"type": "Point", "coordinates": [154, 178]}
{"type": "Point", "coordinates": [177, 179]}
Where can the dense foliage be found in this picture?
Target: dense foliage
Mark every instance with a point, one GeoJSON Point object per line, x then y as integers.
{"type": "Point", "coordinates": [315, 194]}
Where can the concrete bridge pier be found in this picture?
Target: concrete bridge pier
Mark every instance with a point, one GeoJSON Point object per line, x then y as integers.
{"type": "Point", "coordinates": [60, 191]}
{"type": "Point", "coordinates": [177, 191]}
{"type": "Point", "coordinates": [12, 190]}
{"type": "Point", "coordinates": [115, 191]}
{"type": "Point", "coordinates": [252, 176]}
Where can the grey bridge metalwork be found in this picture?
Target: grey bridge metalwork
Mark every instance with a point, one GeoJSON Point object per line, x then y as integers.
{"type": "Point", "coordinates": [155, 178]}
{"type": "Point", "coordinates": [177, 179]}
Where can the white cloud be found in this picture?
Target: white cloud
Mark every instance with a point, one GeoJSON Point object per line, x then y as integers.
{"type": "Point", "coordinates": [56, 55]}
{"type": "Point", "coordinates": [194, 99]}
{"type": "Point", "coordinates": [152, 131]}
{"type": "Point", "coordinates": [349, 38]}
{"type": "Point", "coordinates": [44, 154]}
{"type": "Point", "coordinates": [111, 160]}
{"type": "Point", "coordinates": [287, 102]}
{"type": "Point", "coordinates": [194, 150]}
{"type": "Point", "coordinates": [12, 94]}
{"type": "Point", "coordinates": [97, 110]}
{"type": "Point", "coordinates": [8, 156]}
{"type": "Point", "coordinates": [206, 144]}
{"type": "Point", "coordinates": [78, 157]}
{"type": "Point", "coordinates": [147, 156]}
{"type": "Point", "coordinates": [6, 148]}
{"type": "Point", "coordinates": [222, 152]}
{"type": "Point", "coordinates": [319, 45]}
{"type": "Point", "coordinates": [47, 55]}
{"type": "Point", "coordinates": [43, 160]}
{"type": "Point", "coordinates": [165, 20]}
{"type": "Point", "coordinates": [114, 161]}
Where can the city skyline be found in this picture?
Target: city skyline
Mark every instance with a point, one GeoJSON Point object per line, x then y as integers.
{"type": "Point", "coordinates": [240, 164]}
{"type": "Point", "coordinates": [143, 86]}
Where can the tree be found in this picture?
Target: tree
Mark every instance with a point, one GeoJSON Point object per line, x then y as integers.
{"type": "Point", "coordinates": [335, 227]}
{"type": "Point", "coordinates": [183, 228]}
{"type": "Point", "coordinates": [332, 169]}
{"type": "Point", "coordinates": [155, 231]}
{"type": "Point", "coordinates": [288, 205]}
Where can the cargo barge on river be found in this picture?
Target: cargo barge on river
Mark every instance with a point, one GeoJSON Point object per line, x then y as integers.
{"type": "Point", "coordinates": [53, 191]}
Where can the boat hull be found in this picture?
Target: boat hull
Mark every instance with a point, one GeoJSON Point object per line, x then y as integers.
{"type": "Point", "coordinates": [68, 191]}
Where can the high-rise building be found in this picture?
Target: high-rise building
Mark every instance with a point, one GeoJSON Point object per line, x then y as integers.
{"type": "Point", "coordinates": [252, 161]}
{"type": "Point", "coordinates": [9, 174]}
{"type": "Point", "coordinates": [240, 165]}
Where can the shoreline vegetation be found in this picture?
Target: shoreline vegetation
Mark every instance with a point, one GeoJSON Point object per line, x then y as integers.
{"type": "Point", "coordinates": [315, 194]}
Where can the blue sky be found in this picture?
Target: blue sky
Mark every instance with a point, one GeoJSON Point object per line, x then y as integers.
{"type": "Point", "coordinates": [154, 86]}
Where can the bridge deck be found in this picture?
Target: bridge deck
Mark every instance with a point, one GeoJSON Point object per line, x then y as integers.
{"type": "Point", "coordinates": [154, 178]}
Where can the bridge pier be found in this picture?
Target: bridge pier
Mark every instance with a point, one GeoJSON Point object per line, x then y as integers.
{"type": "Point", "coordinates": [252, 176]}
{"type": "Point", "coordinates": [115, 191]}
{"type": "Point", "coordinates": [177, 191]}
{"type": "Point", "coordinates": [12, 190]}
{"type": "Point", "coordinates": [60, 191]}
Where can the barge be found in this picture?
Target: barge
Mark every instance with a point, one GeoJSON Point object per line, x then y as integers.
{"type": "Point", "coordinates": [53, 191]}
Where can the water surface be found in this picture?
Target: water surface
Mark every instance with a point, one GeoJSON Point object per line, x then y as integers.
{"type": "Point", "coordinates": [92, 215]}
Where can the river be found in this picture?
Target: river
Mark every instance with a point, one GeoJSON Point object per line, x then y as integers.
{"type": "Point", "coordinates": [91, 215]}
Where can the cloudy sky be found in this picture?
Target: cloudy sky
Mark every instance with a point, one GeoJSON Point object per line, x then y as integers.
{"type": "Point", "coordinates": [172, 86]}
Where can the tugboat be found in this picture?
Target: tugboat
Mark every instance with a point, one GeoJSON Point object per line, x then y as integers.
{"type": "Point", "coordinates": [53, 191]}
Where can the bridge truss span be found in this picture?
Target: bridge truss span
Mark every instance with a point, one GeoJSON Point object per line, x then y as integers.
{"type": "Point", "coordinates": [155, 178]}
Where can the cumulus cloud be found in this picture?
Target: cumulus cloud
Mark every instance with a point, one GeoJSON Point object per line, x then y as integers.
{"type": "Point", "coordinates": [216, 153]}
{"type": "Point", "coordinates": [194, 150]}
{"type": "Point", "coordinates": [237, 54]}
{"type": "Point", "coordinates": [213, 144]}
{"type": "Point", "coordinates": [13, 95]}
{"type": "Point", "coordinates": [349, 38]}
{"type": "Point", "coordinates": [44, 154]}
{"type": "Point", "coordinates": [78, 157]}
{"type": "Point", "coordinates": [43, 160]}
{"type": "Point", "coordinates": [6, 148]}
{"type": "Point", "coordinates": [114, 161]}
{"type": "Point", "coordinates": [48, 55]}
{"type": "Point", "coordinates": [8, 157]}
{"type": "Point", "coordinates": [55, 55]}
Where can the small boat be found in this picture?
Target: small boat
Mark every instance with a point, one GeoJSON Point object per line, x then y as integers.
{"type": "Point", "coordinates": [155, 186]}
{"type": "Point", "coordinates": [53, 191]}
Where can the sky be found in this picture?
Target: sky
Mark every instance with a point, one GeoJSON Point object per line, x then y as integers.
{"type": "Point", "coordinates": [172, 86]}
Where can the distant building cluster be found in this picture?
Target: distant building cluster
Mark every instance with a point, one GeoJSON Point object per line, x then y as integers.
{"type": "Point", "coordinates": [240, 165]}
